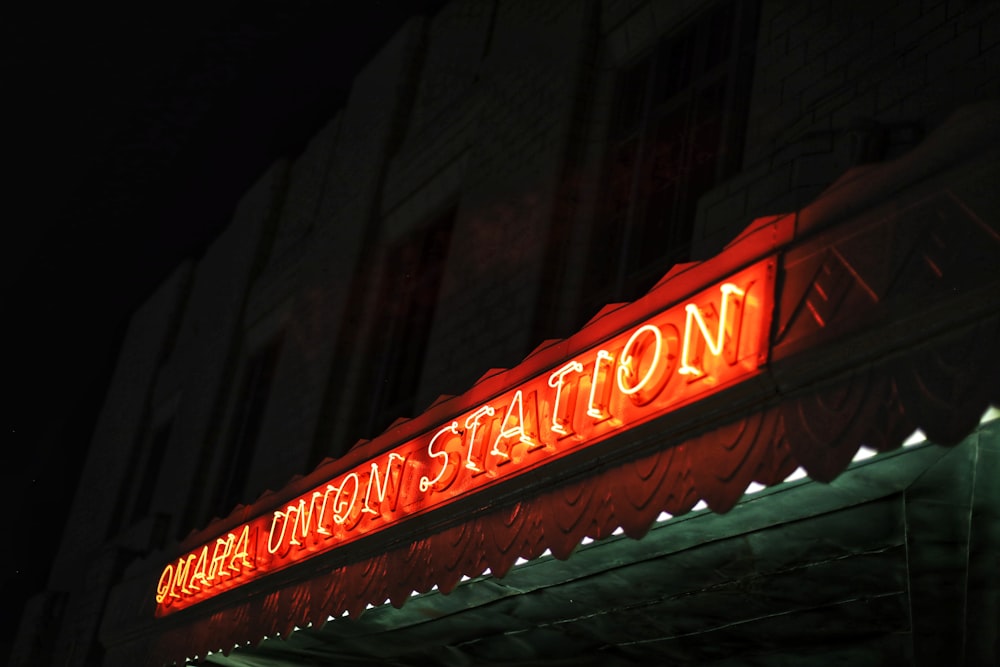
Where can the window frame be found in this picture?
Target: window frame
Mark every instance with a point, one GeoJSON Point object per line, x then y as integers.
{"type": "Point", "coordinates": [620, 235]}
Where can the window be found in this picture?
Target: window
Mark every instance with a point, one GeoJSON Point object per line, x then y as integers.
{"type": "Point", "coordinates": [676, 131]}
{"type": "Point", "coordinates": [151, 472]}
{"type": "Point", "coordinates": [248, 415]}
{"type": "Point", "coordinates": [408, 300]}
{"type": "Point", "coordinates": [145, 463]}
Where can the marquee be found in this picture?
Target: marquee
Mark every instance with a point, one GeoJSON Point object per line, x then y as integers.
{"type": "Point", "coordinates": [715, 338]}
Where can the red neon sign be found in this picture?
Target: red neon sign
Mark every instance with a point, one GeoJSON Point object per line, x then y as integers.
{"type": "Point", "coordinates": [675, 357]}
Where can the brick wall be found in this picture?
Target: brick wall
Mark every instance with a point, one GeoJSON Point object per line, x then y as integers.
{"type": "Point", "coordinates": [500, 110]}
{"type": "Point", "coordinates": [312, 285]}
{"type": "Point", "coordinates": [106, 476]}
{"type": "Point", "coordinates": [527, 96]}
{"type": "Point", "coordinates": [841, 83]}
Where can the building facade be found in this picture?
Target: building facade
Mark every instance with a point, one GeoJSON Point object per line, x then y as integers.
{"type": "Point", "coordinates": [501, 173]}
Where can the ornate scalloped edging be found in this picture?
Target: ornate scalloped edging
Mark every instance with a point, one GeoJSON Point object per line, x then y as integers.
{"type": "Point", "coordinates": [850, 366]}
{"type": "Point", "coordinates": [931, 388]}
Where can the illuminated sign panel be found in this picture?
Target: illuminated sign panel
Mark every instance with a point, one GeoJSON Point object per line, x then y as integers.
{"type": "Point", "coordinates": [713, 340]}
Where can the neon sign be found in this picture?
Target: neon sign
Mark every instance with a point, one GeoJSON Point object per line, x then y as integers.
{"type": "Point", "coordinates": [675, 357]}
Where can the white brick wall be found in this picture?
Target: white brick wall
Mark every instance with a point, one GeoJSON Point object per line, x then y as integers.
{"type": "Point", "coordinates": [481, 107]}
{"type": "Point", "coordinates": [313, 283]}
{"type": "Point", "coordinates": [826, 68]}
{"type": "Point", "coordinates": [119, 429]}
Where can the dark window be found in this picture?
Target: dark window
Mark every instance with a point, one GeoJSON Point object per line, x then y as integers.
{"type": "Point", "coordinates": [151, 472]}
{"type": "Point", "coordinates": [248, 415]}
{"type": "Point", "coordinates": [676, 131]}
{"type": "Point", "coordinates": [145, 461]}
{"type": "Point", "coordinates": [408, 299]}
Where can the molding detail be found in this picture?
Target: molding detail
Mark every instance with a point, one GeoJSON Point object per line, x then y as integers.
{"type": "Point", "coordinates": [885, 322]}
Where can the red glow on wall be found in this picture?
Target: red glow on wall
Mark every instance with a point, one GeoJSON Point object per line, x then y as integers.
{"type": "Point", "coordinates": [713, 340]}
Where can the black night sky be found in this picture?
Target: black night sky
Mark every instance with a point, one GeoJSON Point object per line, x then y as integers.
{"type": "Point", "coordinates": [128, 135]}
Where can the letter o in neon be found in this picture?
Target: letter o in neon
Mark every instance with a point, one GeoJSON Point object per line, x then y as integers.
{"type": "Point", "coordinates": [664, 350]}
{"type": "Point", "coordinates": [344, 513]}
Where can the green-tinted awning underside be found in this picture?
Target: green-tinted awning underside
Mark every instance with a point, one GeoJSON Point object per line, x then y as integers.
{"type": "Point", "coordinates": [878, 567]}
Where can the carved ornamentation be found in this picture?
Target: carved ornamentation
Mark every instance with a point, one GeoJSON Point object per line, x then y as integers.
{"type": "Point", "coordinates": [884, 324]}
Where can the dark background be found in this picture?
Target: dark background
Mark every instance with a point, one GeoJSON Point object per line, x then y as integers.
{"type": "Point", "coordinates": [128, 135]}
